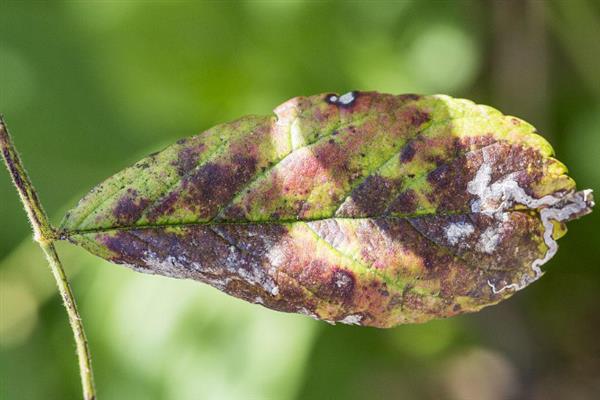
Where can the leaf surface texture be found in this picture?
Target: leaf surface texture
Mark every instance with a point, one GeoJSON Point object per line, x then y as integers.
{"type": "Point", "coordinates": [364, 208]}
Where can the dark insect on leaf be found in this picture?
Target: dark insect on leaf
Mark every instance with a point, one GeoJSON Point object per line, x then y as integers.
{"type": "Point", "coordinates": [364, 208]}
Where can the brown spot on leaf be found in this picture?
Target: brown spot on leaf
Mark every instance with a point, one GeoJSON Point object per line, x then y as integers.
{"type": "Point", "coordinates": [471, 143]}
{"type": "Point", "coordinates": [331, 156]}
{"type": "Point", "coordinates": [129, 208]}
{"type": "Point", "coordinates": [187, 159]}
{"type": "Point", "coordinates": [408, 152]}
{"type": "Point", "coordinates": [342, 284]}
{"type": "Point", "coordinates": [440, 175]}
{"type": "Point", "coordinates": [234, 213]}
{"type": "Point", "coordinates": [417, 117]}
{"type": "Point", "coordinates": [410, 96]}
{"type": "Point", "coordinates": [214, 184]}
{"type": "Point", "coordinates": [164, 207]}
{"type": "Point", "coordinates": [370, 197]}
{"type": "Point", "coordinates": [405, 203]}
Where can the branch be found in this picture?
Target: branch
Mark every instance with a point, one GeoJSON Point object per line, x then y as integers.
{"type": "Point", "coordinates": [45, 235]}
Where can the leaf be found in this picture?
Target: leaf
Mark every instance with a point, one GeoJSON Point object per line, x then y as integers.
{"type": "Point", "coordinates": [364, 208]}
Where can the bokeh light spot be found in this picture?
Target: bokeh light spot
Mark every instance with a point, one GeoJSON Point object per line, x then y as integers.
{"type": "Point", "coordinates": [443, 58]}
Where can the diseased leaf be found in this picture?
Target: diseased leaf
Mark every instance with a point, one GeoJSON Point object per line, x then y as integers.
{"type": "Point", "coordinates": [364, 208]}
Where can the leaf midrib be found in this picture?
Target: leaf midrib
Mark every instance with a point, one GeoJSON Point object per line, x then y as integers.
{"type": "Point", "coordinates": [66, 233]}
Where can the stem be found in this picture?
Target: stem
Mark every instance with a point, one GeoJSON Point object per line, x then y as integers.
{"type": "Point", "coordinates": [45, 235]}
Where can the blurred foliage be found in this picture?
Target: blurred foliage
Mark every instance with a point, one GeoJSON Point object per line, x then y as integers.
{"type": "Point", "coordinates": [89, 87]}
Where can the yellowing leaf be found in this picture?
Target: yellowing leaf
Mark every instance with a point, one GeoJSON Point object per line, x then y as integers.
{"type": "Point", "coordinates": [364, 208]}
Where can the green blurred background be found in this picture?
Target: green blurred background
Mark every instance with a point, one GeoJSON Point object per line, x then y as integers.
{"type": "Point", "coordinates": [89, 87]}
